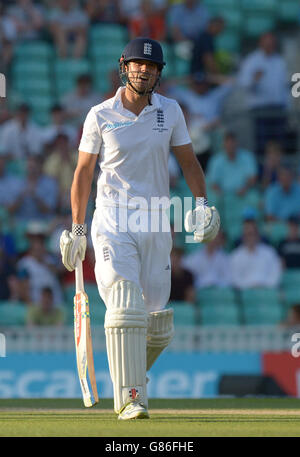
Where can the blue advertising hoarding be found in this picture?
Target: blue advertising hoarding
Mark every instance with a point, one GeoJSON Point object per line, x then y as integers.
{"type": "Point", "coordinates": [174, 375]}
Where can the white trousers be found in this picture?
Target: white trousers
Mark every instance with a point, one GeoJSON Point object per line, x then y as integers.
{"type": "Point", "coordinates": [124, 254]}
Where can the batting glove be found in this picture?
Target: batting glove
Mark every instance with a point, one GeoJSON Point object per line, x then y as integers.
{"type": "Point", "coordinates": [73, 244]}
{"type": "Point", "coordinates": [204, 221]}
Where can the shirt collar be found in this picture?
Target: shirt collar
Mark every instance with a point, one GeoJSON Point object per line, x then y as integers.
{"type": "Point", "coordinates": [117, 101]}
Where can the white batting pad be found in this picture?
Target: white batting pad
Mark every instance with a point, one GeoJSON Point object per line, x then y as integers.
{"type": "Point", "coordinates": [159, 333]}
{"type": "Point", "coordinates": [126, 330]}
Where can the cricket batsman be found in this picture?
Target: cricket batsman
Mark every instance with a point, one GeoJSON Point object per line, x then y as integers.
{"type": "Point", "coordinates": [130, 136]}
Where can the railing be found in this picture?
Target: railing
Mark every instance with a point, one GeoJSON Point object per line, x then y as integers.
{"type": "Point", "coordinates": [186, 339]}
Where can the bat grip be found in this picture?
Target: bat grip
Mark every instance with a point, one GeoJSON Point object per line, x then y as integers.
{"type": "Point", "coordinates": [79, 276]}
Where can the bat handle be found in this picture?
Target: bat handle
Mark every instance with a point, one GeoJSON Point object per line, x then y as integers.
{"type": "Point", "coordinates": [79, 276]}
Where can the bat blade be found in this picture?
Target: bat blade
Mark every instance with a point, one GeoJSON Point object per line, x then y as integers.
{"type": "Point", "coordinates": [83, 344]}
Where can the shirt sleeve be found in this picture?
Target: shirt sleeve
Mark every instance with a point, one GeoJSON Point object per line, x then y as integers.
{"type": "Point", "coordinates": [91, 138]}
{"type": "Point", "coordinates": [180, 134]}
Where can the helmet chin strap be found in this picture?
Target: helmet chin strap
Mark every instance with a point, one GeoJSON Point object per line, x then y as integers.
{"type": "Point", "coordinates": [144, 92]}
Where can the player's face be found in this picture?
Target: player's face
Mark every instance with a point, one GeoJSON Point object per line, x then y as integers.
{"type": "Point", "coordinates": [142, 74]}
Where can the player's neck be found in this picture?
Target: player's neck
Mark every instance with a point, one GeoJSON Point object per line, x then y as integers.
{"type": "Point", "coordinates": [134, 102]}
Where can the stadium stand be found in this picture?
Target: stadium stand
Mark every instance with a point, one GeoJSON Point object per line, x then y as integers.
{"type": "Point", "coordinates": [38, 76]}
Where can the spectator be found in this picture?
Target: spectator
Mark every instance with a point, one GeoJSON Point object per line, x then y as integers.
{"type": "Point", "coordinates": [131, 8]}
{"type": "Point", "coordinates": [210, 264]}
{"type": "Point", "coordinates": [11, 186]}
{"type": "Point", "coordinates": [45, 313]}
{"type": "Point", "coordinates": [68, 26]}
{"type": "Point", "coordinates": [114, 79]}
{"type": "Point", "coordinates": [293, 317]}
{"type": "Point", "coordinates": [78, 102]}
{"type": "Point", "coordinates": [28, 18]}
{"type": "Point", "coordinates": [201, 100]}
{"type": "Point", "coordinates": [59, 125]}
{"type": "Point", "coordinates": [289, 248]}
{"type": "Point", "coordinates": [182, 281]}
{"type": "Point", "coordinates": [8, 36]}
{"type": "Point", "coordinates": [203, 55]}
{"type": "Point", "coordinates": [7, 273]}
{"type": "Point", "coordinates": [148, 22]}
{"type": "Point", "coordinates": [39, 265]}
{"type": "Point", "coordinates": [187, 20]}
{"type": "Point", "coordinates": [103, 11]}
{"type": "Point", "coordinates": [269, 169]}
{"type": "Point", "coordinates": [37, 198]}
{"type": "Point", "coordinates": [263, 74]}
{"type": "Point", "coordinates": [254, 264]}
{"type": "Point", "coordinates": [60, 165]}
{"type": "Point", "coordinates": [282, 198]}
{"type": "Point", "coordinates": [232, 170]}
{"type": "Point", "coordinates": [20, 136]}
{"type": "Point", "coordinates": [20, 288]}
{"type": "Point", "coordinates": [199, 133]}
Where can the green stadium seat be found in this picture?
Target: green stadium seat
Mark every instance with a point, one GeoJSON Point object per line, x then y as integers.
{"type": "Point", "coordinates": [97, 313]}
{"type": "Point", "coordinates": [215, 296]}
{"type": "Point", "coordinates": [181, 67]}
{"type": "Point", "coordinates": [12, 313]}
{"type": "Point", "coordinates": [288, 11]}
{"type": "Point", "coordinates": [73, 67]}
{"type": "Point", "coordinates": [229, 40]}
{"type": "Point", "coordinates": [39, 50]}
{"type": "Point", "coordinates": [184, 313]}
{"type": "Point", "coordinates": [291, 296]}
{"type": "Point", "coordinates": [257, 24]}
{"type": "Point", "coordinates": [275, 231]}
{"type": "Point", "coordinates": [220, 314]}
{"type": "Point", "coordinates": [260, 5]}
{"type": "Point", "coordinates": [233, 18]}
{"type": "Point", "coordinates": [40, 102]}
{"type": "Point", "coordinates": [222, 5]}
{"type": "Point", "coordinates": [263, 314]}
{"type": "Point", "coordinates": [168, 71]}
{"type": "Point", "coordinates": [67, 71]}
{"type": "Point", "coordinates": [19, 234]}
{"type": "Point", "coordinates": [97, 306]}
{"type": "Point", "coordinates": [290, 278]}
{"type": "Point", "coordinates": [105, 33]}
{"type": "Point", "coordinates": [91, 290]}
{"type": "Point", "coordinates": [260, 296]}
{"type": "Point", "coordinates": [103, 51]}
{"type": "Point", "coordinates": [32, 84]}
{"type": "Point", "coordinates": [42, 116]}
{"type": "Point", "coordinates": [22, 68]}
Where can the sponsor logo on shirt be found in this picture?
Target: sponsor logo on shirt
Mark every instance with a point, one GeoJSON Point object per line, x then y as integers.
{"type": "Point", "coordinates": [115, 125]}
{"type": "Point", "coordinates": [160, 121]}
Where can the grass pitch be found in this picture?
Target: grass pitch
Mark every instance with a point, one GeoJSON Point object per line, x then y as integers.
{"type": "Point", "coordinates": [234, 417]}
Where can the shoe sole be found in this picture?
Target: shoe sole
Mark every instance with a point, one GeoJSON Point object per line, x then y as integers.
{"type": "Point", "coordinates": [138, 416]}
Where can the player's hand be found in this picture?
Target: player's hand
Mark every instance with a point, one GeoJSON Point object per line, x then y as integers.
{"type": "Point", "coordinates": [71, 246]}
{"type": "Point", "coordinates": [204, 221]}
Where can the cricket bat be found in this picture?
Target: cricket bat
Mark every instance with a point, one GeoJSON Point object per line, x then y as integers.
{"type": "Point", "coordinates": [83, 340]}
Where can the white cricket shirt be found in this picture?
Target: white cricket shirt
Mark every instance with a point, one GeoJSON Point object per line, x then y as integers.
{"type": "Point", "coordinates": [133, 150]}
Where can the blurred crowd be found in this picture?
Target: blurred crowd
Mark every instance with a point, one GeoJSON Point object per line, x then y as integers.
{"type": "Point", "coordinates": [252, 179]}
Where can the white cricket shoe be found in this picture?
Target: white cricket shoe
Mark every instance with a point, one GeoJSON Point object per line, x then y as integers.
{"type": "Point", "coordinates": [133, 410]}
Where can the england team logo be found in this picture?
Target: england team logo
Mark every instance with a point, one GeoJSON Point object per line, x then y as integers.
{"type": "Point", "coordinates": [148, 49]}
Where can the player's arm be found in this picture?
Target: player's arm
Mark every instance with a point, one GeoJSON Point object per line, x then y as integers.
{"type": "Point", "coordinates": [81, 186]}
{"type": "Point", "coordinates": [73, 244]}
{"type": "Point", "coordinates": [191, 168]}
{"type": "Point", "coordinates": [203, 221]}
